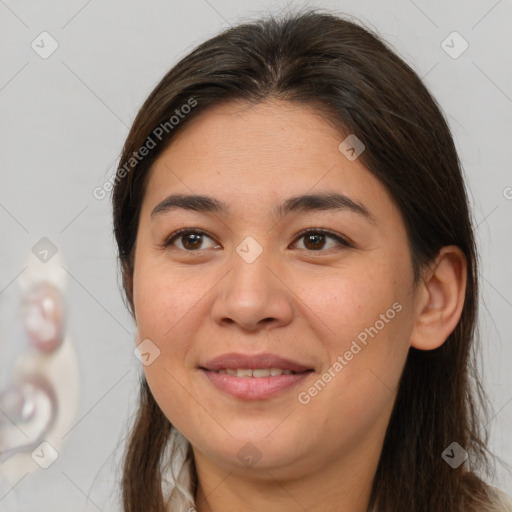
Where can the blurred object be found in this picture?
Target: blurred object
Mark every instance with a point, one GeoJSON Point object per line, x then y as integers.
{"type": "Point", "coordinates": [29, 410]}
{"type": "Point", "coordinates": [39, 405]}
{"type": "Point", "coordinates": [43, 313]}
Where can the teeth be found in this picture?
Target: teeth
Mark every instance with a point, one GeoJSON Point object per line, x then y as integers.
{"type": "Point", "coordinates": [263, 372]}
{"type": "Point", "coordinates": [259, 372]}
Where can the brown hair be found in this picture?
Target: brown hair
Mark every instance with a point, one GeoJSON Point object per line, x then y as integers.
{"type": "Point", "coordinates": [322, 60]}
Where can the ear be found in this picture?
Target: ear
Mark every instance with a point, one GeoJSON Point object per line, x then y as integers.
{"type": "Point", "coordinates": [440, 299]}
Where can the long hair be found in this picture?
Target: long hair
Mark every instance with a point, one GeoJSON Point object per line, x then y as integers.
{"type": "Point", "coordinates": [348, 73]}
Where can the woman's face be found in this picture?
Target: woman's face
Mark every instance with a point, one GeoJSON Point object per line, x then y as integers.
{"type": "Point", "coordinates": [255, 283]}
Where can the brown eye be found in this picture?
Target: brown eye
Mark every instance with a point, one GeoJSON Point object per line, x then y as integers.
{"type": "Point", "coordinates": [191, 240]}
{"type": "Point", "coordinates": [315, 240]}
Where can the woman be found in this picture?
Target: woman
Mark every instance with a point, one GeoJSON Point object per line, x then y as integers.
{"type": "Point", "coordinates": [298, 255]}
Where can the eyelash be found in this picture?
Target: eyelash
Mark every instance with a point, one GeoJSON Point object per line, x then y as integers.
{"type": "Point", "coordinates": [342, 240]}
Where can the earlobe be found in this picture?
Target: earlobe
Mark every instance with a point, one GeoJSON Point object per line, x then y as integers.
{"type": "Point", "coordinates": [441, 299]}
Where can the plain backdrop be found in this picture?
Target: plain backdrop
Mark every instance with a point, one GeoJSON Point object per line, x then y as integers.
{"type": "Point", "coordinates": [63, 121]}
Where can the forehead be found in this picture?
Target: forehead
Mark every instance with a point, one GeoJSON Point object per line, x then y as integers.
{"type": "Point", "coordinates": [269, 151]}
{"type": "Point", "coordinates": [272, 129]}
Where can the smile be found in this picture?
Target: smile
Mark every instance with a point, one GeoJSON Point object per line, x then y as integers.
{"type": "Point", "coordinates": [257, 384]}
{"type": "Point", "coordinates": [258, 372]}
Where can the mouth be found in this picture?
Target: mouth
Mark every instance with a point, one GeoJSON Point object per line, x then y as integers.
{"type": "Point", "coordinates": [254, 377]}
{"type": "Point", "coordinates": [256, 372]}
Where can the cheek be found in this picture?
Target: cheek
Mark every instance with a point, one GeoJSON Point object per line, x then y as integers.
{"type": "Point", "coordinates": [350, 300]}
{"type": "Point", "coordinates": [163, 307]}
{"type": "Point", "coordinates": [369, 323]}
{"type": "Point", "coordinates": [162, 301]}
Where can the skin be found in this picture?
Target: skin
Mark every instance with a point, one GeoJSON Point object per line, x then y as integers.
{"type": "Point", "coordinates": [302, 303]}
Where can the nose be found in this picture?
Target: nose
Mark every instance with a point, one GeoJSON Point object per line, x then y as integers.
{"type": "Point", "coordinates": [254, 295]}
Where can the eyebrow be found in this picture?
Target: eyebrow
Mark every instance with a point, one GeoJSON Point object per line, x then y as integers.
{"type": "Point", "coordinates": [298, 204]}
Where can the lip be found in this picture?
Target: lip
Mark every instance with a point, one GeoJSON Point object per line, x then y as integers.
{"type": "Point", "coordinates": [266, 360]}
{"type": "Point", "coordinates": [254, 388]}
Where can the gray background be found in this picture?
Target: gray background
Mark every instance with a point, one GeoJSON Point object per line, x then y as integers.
{"type": "Point", "coordinates": [64, 119]}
